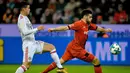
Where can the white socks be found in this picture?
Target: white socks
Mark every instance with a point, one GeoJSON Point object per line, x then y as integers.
{"type": "Point", "coordinates": [21, 69]}
{"type": "Point", "coordinates": [55, 57]}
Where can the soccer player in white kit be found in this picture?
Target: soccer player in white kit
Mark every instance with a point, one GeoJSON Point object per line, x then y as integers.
{"type": "Point", "coordinates": [30, 46]}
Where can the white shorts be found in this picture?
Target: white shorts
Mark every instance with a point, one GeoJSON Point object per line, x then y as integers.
{"type": "Point", "coordinates": [30, 48]}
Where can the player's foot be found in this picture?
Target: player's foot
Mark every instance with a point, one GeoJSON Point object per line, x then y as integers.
{"type": "Point", "coordinates": [61, 70]}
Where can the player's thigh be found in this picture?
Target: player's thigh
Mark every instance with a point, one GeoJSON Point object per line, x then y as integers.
{"type": "Point", "coordinates": [66, 56]}
{"type": "Point", "coordinates": [39, 46]}
{"type": "Point", "coordinates": [43, 47]}
{"type": "Point", "coordinates": [28, 53]}
{"type": "Point", "coordinates": [48, 47]}
{"type": "Point", "coordinates": [86, 56]}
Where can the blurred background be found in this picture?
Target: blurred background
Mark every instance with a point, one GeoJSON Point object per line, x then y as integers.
{"type": "Point", "coordinates": [114, 14]}
{"type": "Point", "coordinates": [67, 11]}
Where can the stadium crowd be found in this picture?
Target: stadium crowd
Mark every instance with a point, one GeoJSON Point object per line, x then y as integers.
{"type": "Point", "coordinates": [67, 11]}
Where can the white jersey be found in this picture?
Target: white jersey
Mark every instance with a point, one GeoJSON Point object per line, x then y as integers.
{"type": "Point", "coordinates": [26, 29]}
{"type": "Point", "coordinates": [30, 45]}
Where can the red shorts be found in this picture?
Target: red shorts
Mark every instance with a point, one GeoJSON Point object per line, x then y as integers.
{"type": "Point", "coordinates": [79, 53]}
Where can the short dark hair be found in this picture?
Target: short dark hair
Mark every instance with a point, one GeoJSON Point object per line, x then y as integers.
{"type": "Point", "coordinates": [86, 12]}
{"type": "Point", "coordinates": [23, 5]}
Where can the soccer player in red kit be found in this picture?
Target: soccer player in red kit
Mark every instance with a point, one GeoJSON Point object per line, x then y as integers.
{"type": "Point", "coordinates": [76, 48]}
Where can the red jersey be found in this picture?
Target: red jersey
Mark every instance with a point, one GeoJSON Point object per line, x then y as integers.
{"type": "Point", "coordinates": [81, 32]}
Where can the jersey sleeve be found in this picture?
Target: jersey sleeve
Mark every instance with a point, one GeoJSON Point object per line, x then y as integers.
{"type": "Point", "coordinates": [74, 26]}
{"type": "Point", "coordinates": [23, 28]}
{"type": "Point", "coordinates": [93, 27]}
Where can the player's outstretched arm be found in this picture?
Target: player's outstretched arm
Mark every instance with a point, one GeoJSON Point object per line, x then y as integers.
{"type": "Point", "coordinates": [25, 31]}
{"type": "Point", "coordinates": [61, 28]}
{"type": "Point", "coordinates": [100, 29]}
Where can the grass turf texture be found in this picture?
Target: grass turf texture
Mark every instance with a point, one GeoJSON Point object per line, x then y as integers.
{"type": "Point", "coordinates": [70, 69]}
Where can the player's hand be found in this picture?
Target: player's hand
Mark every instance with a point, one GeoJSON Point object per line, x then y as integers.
{"type": "Point", "coordinates": [40, 27]}
{"type": "Point", "coordinates": [50, 29]}
{"type": "Point", "coordinates": [109, 30]}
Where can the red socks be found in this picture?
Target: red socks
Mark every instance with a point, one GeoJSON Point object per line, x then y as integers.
{"type": "Point", "coordinates": [98, 69]}
{"type": "Point", "coordinates": [51, 67]}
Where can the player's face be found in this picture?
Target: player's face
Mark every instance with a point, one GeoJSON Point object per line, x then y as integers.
{"type": "Point", "coordinates": [27, 10]}
{"type": "Point", "coordinates": [89, 18]}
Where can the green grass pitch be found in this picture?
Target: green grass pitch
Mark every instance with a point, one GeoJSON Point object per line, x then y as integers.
{"type": "Point", "coordinates": [70, 69]}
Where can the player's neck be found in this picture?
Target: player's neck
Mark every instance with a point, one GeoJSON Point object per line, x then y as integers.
{"type": "Point", "coordinates": [84, 20]}
{"type": "Point", "coordinates": [22, 13]}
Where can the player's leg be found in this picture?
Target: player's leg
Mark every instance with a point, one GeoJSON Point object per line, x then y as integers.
{"type": "Point", "coordinates": [67, 56]}
{"type": "Point", "coordinates": [88, 57]}
{"type": "Point", "coordinates": [23, 68]}
{"type": "Point", "coordinates": [53, 66]}
{"type": "Point", "coordinates": [97, 66]}
{"type": "Point", "coordinates": [51, 48]}
{"type": "Point", "coordinates": [27, 59]}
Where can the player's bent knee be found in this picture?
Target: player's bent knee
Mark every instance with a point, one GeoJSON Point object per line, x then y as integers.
{"type": "Point", "coordinates": [51, 47]}
{"type": "Point", "coordinates": [96, 62]}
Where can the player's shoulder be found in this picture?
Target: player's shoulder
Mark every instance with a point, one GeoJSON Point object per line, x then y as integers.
{"type": "Point", "coordinates": [78, 22]}
{"type": "Point", "coordinates": [21, 18]}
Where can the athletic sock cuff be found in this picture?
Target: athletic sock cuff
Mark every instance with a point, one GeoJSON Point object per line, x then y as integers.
{"type": "Point", "coordinates": [23, 67]}
{"type": "Point", "coordinates": [53, 51]}
{"type": "Point", "coordinates": [97, 65]}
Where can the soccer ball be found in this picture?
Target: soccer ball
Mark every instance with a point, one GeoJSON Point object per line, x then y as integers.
{"type": "Point", "coordinates": [115, 49]}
